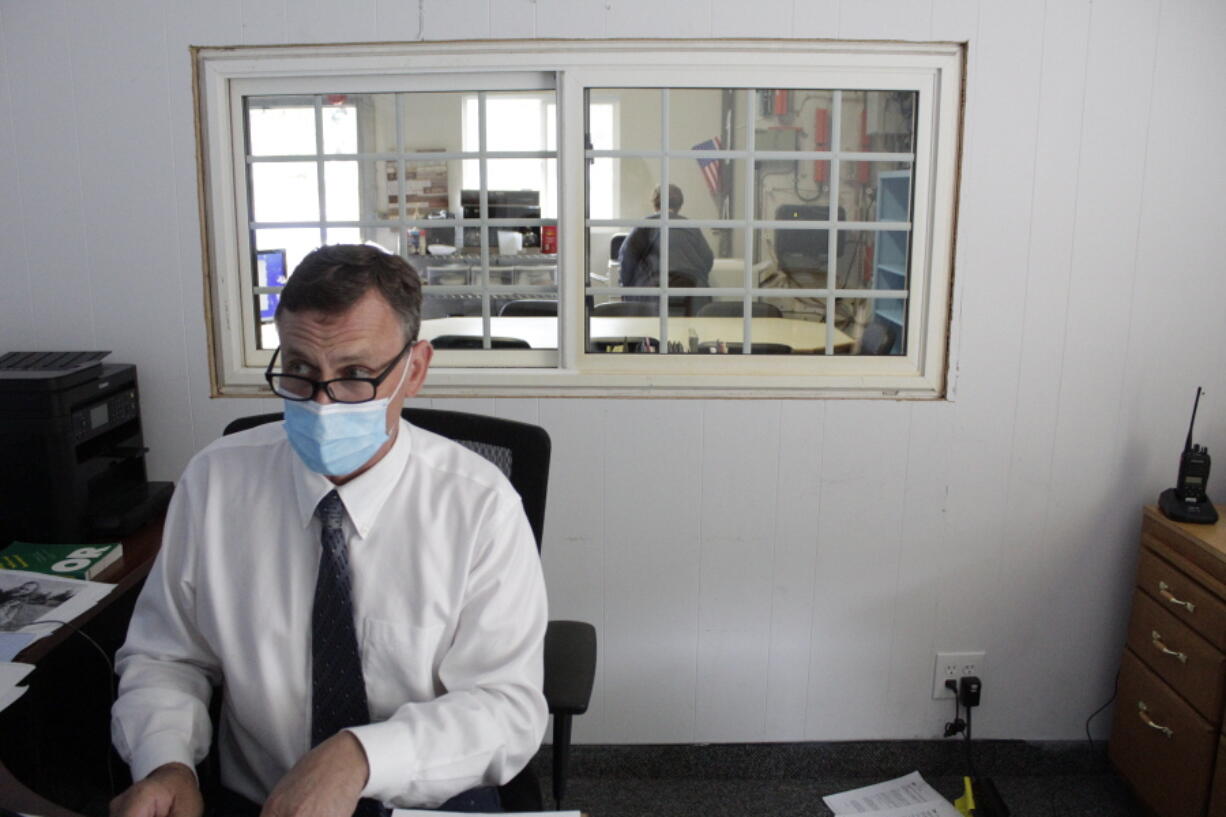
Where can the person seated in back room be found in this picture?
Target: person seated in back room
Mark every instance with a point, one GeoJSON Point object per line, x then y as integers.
{"type": "Point", "coordinates": [689, 256]}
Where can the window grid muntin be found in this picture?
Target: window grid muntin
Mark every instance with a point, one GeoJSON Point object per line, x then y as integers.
{"type": "Point", "coordinates": [483, 223]}
{"type": "Point", "coordinates": [833, 225]}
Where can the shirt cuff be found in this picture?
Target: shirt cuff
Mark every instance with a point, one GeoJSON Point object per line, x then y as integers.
{"type": "Point", "coordinates": [157, 750]}
{"type": "Point", "coordinates": [385, 749]}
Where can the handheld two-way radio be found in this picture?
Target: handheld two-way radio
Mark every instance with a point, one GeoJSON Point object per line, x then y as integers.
{"type": "Point", "coordinates": [1187, 501]}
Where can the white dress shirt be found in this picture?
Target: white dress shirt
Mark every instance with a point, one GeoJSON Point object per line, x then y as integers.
{"type": "Point", "coordinates": [449, 604]}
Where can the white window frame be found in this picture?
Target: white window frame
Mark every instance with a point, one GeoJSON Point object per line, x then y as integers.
{"type": "Point", "coordinates": [935, 70]}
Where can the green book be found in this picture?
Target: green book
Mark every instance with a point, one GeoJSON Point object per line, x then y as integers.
{"type": "Point", "coordinates": [69, 561]}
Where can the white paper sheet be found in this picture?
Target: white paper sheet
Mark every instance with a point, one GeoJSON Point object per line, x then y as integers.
{"type": "Point", "coordinates": [413, 812]}
{"type": "Point", "coordinates": [13, 643]}
{"type": "Point", "coordinates": [10, 675]}
{"type": "Point", "coordinates": [906, 796]}
{"type": "Point", "coordinates": [30, 601]}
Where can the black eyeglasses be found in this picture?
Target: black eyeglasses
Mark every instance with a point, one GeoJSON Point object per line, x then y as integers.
{"type": "Point", "coordinates": [339, 389]}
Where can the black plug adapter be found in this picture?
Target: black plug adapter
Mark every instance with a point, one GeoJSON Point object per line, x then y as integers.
{"type": "Point", "coordinates": [969, 687]}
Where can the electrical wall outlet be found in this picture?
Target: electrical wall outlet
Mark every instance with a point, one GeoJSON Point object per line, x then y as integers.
{"type": "Point", "coordinates": [950, 666]}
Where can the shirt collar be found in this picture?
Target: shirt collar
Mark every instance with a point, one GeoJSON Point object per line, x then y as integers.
{"type": "Point", "coordinates": [363, 496]}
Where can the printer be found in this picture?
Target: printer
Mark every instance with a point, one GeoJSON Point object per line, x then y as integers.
{"type": "Point", "coordinates": [73, 466]}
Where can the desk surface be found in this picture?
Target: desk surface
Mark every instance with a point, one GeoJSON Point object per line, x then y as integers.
{"type": "Point", "coordinates": [541, 332]}
{"type": "Point", "coordinates": [139, 550]}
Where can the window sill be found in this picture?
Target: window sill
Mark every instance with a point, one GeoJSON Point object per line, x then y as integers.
{"type": "Point", "coordinates": [536, 383]}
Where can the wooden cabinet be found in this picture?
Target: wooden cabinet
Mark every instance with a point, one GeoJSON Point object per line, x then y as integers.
{"type": "Point", "coordinates": [1167, 735]}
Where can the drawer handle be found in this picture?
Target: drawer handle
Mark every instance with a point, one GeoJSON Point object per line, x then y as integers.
{"type": "Point", "coordinates": [1156, 637]}
{"type": "Point", "coordinates": [1143, 713]}
{"type": "Point", "coordinates": [1164, 590]}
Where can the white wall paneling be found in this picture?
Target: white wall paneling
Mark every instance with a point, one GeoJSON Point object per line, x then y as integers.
{"type": "Point", "coordinates": [859, 536]}
{"type": "Point", "coordinates": [310, 21]}
{"type": "Point", "coordinates": [797, 506]}
{"type": "Point", "coordinates": [765, 18]}
{"type": "Point", "coordinates": [43, 93]}
{"type": "Point", "coordinates": [738, 533]}
{"type": "Point", "coordinates": [1028, 551]}
{"type": "Point", "coordinates": [16, 308]}
{"type": "Point", "coordinates": [757, 569]}
{"type": "Point", "coordinates": [513, 18]}
{"type": "Point", "coordinates": [884, 20]}
{"type": "Point", "coordinates": [679, 18]}
{"type": "Point", "coordinates": [398, 20]}
{"type": "Point", "coordinates": [1095, 548]}
{"type": "Point", "coordinates": [650, 641]}
{"type": "Point", "coordinates": [577, 18]}
{"type": "Point", "coordinates": [456, 19]}
{"type": "Point", "coordinates": [815, 18]}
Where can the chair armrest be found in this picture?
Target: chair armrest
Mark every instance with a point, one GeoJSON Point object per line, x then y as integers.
{"type": "Point", "coordinates": [570, 666]}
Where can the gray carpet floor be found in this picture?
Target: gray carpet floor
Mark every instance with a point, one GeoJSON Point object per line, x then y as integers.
{"type": "Point", "coordinates": [1049, 779]}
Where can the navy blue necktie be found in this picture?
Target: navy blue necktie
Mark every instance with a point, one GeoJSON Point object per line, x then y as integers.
{"type": "Point", "coordinates": [338, 693]}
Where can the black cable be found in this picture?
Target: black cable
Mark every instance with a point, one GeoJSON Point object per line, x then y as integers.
{"type": "Point", "coordinates": [970, 764]}
{"type": "Point", "coordinates": [112, 693]}
{"type": "Point", "coordinates": [796, 189]}
{"type": "Point", "coordinates": [957, 724]}
{"type": "Point", "coordinates": [1114, 691]}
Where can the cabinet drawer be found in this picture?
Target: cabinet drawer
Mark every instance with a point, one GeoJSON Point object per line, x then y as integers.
{"type": "Point", "coordinates": [1159, 744]}
{"type": "Point", "coordinates": [1188, 663]}
{"type": "Point", "coordinates": [1183, 598]}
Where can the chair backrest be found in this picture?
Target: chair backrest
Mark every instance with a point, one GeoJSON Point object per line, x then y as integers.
{"type": "Point", "coordinates": [736, 309]}
{"type": "Point", "coordinates": [878, 339]}
{"type": "Point", "coordinates": [804, 249]}
{"type": "Point", "coordinates": [615, 245]}
{"type": "Point", "coordinates": [621, 309]}
{"type": "Point", "coordinates": [734, 348]}
{"type": "Point", "coordinates": [476, 342]}
{"type": "Point", "coordinates": [520, 450]}
{"type": "Point", "coordinates": [624, 344]}
{"type": "Point", "coordinates": [529, 307]}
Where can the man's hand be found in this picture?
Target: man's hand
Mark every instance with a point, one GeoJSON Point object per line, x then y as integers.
{"type": "Point", "coordinates": [326, 782]}
{"type": "Point", "coordinates": [168, 791]}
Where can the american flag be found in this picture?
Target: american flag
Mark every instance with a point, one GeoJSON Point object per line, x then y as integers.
{"type": "Point", "coordinates": [711, 168]}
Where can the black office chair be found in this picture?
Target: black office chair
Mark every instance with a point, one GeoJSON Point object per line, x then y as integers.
{"type": "Point", "coordinates": [624, 309]}
{"type": "Point", "coordinates": [631, 343]}
{"type": "Point", "coordinates": [878, 339]}
{"type": "Point", "coordinates": [801, 253]}
{"type": "Point", "coordinates": [475, 342]}
{"type": "Point", "coordinates": [521, 451]}
{"type": "Point", "coordinates": [708, 347]}
{"type": "Point", "coordinates": [736, 309]}
{"type": "Point", "coordinates": [615, 246]}
{"type": "Point", "coordinates": [529, 307]}
{"type": "Point", "coordinates": [685, 305]}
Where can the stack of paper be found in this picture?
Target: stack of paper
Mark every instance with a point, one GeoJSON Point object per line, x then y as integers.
{"type": "Point", "coordinates": [907, 796]}
{"type": "Point", "coordinates": [33, 605]}
{"type": "Point", "coordinates": [30, 602]}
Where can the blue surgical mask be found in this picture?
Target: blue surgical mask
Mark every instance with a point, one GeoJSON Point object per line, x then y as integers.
{"type": "Point", "coordinates": [338, 438]}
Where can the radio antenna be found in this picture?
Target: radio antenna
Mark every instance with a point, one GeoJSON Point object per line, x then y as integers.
{"type": "Point", "coordinates": [1187, 446]}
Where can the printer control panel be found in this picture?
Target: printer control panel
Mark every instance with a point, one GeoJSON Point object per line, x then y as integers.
{"type": "Point", "coordinates": [91, 420]}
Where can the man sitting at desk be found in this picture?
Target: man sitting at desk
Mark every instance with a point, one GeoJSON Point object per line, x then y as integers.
{"type": "Point", "coordinates": [367, 594]}
{"type": "Point", "coordinates": [689, 255]}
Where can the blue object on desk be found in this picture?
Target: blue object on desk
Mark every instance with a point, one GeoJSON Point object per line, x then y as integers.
{"type": "Point", "coordinates": [270, 272]}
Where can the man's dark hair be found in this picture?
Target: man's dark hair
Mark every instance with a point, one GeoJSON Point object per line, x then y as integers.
{"type": "Point", "coordinates": [333, 278]}
{"type": "Point", "coordinates": [675, 198]}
